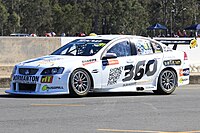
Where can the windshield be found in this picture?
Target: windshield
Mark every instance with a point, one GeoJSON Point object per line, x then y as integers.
{"type": "Point", "coordinates": [81, 47]}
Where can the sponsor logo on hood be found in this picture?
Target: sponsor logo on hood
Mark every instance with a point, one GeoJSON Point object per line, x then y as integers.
{"type": "Point", "coordinates": [44, 60]}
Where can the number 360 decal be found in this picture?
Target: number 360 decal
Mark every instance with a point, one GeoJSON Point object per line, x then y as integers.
{"type": "Point", "coordinates": [138, 71]}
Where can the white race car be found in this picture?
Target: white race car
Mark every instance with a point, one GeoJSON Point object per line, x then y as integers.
{"type": "Point", "coordinates": [103, 63]}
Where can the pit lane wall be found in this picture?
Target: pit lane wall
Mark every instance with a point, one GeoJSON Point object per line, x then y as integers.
{"type": "Point", "coordinates": [17, 49]}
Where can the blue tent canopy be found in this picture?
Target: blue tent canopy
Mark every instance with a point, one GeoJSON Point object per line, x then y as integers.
{"type": "Point", "coordinates": [193, 27]}
{"type": "Point", "coordinates": [157, 26]}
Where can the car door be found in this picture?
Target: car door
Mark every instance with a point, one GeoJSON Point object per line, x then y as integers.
{"type": "Point", "coordinates": [149, 61]}
{"type": "Point", "coordinates": [113, 66]}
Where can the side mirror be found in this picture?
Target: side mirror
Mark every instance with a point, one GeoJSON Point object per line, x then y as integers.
{"type": "Point", "coordinates": [109, 56]}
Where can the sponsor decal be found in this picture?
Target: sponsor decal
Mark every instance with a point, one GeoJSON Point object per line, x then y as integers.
{"type": "Point", "coordinates": [25, 78]}
{"type": "Point", "coordinates": [184, 72]}
{"type": "Point", "coordinates": [182, 41]}
{"type": "Point", "coordinates": [90, 40]}
{"type": "Point", "coordinates": [142, 68]}
{"type": "Point", "coordinates": [43, 60]}
{"type": "Point", "coordinates": [46, 62]}
{"type": "Point", "coordinates": [49, 61]}
{"type": "Point", "coordinates": [101, 44]}
{"type": "Point", "coordinates": [129, 84]}
{"type": "Point", "coordinates": [38, 59]}
{"type": "Point", "coordinates": [181, 80]}
{"type": "Point", "coordinates": [149, 87]}
{"type": "Point", "coordinates": [166, 49]}
{"type": "Point", "coordinates": [46, 79]}
{"type": "Point", "coordinates": [172, 62]}
{"type": "Point", "coordinates": [46, 88]}
{"type": "Point", "coordinates": [110, 62]}
{"type": "Point", "coordinates": [87, 62]}
{"type": "Point", "coordinates": [114, 75]}
{"type": "Point", "coordinates": [133, 72]}
{"type": "Point", "coordinates": [193, 43]}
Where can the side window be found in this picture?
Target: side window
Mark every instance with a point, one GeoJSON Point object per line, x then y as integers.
{"type": "Point", "coordinates": [121, 49]}
{"type": "Point", "coordinates": [156, 47]}
{"type": "Point", "coordinates": [143, 47]}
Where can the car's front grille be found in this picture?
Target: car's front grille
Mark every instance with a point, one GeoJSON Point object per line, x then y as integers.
{"type": "Point", "coordinates": [27, 87]}
{"type": "Point", "coordinates": [27, 71]}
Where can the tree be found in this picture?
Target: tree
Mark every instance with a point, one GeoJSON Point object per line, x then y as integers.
{"type": "Point", "coordinates": [3, 17]}
{"type": "Point", "coordinates": [13, 23]}
{"type": "Point", "coordinates": [99, 16]}
{"type": "Point", "coordinates": [36, 16]}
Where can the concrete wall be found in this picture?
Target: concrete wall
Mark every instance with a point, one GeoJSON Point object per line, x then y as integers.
{"type": "Point", "coordinates": [17, 49]}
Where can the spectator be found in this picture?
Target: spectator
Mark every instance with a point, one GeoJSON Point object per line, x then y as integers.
{"type": "Point", "coordinates": [48, 35]}
{"type": "Point", "coordinates": [179, 33]}
{"type": "Point", "coordinates": [63, 34]}
{"type": "Point", "coordinates": [80, 34]}
{"type": "Point", "coordinates": [184, 33]}
{"type": "Point", "coordinates": [191, 34]}
{"type": "Point", "coordinates": [33, 35]}
{"type": "Point", "coordinates": [92, 34]}
{"type": "Point", "coordinates": [53, 34]}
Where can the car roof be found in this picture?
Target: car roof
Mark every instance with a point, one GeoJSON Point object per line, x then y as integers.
{"type": "Point", "coordinates": [112, 37]}
{"type": "Point", "coordinates": [106, 37]}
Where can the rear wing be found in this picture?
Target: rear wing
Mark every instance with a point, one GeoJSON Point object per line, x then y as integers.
{"type": "Point", "coordinates": [192, 42]}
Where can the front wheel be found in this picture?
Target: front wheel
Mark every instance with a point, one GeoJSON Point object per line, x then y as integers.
{"type": "Point", "coordinates": [167, 82]}
{"type": "Point", "coordinates": [80, 83]}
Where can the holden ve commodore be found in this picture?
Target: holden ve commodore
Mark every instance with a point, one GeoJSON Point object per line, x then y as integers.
{"type": "Point", "coordinates": [103, 63]}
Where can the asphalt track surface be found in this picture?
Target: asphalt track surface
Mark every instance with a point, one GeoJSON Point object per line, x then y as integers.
{"type": "Point", "coordinates": [103, 113]}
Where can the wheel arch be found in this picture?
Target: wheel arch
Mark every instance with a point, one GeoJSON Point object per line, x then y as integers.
{"type": "Point", "coordinates": [80, 68]}
{"type": "Point", "coordinates": [171, 69]}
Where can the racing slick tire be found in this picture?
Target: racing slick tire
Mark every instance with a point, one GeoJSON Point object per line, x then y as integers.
{"type": "Point", "coordinates": [167, 82]}
{"type": "Point", "coordinates": [80, 83]}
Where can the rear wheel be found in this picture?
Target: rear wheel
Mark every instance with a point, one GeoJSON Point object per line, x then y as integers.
{"type": "Point", "coordinates": [167, 82]}
{"type": "Point", "coordinates": [80, 83]}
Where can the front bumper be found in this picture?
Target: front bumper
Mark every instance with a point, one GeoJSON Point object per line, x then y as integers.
{"type": "Point", "coordinates": [45, 85]}
{"type": "Point", "coordinates": [35, 93]}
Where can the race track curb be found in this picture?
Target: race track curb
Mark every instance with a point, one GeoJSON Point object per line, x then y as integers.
{"type": "Point", "coordinates": [5, 81]}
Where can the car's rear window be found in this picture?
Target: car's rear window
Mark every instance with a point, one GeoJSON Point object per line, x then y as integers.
{"type": "Point", "coordinates": [81, 47]}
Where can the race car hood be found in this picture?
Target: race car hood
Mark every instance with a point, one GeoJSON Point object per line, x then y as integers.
{"type": "Point", "coordinates": [52, 61]}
